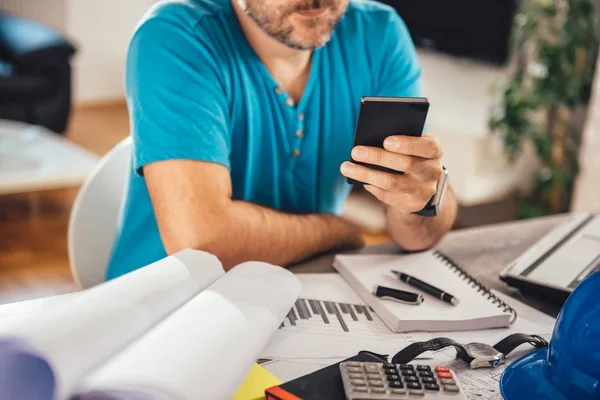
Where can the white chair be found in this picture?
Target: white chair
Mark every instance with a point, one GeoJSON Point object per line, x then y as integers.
{"type": "Point", "coordinates": [95, 216]}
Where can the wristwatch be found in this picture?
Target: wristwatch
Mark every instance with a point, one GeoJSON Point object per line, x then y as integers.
{"type": "Point", "coordinates": [434, 205]}
{"type": "Point", "coordinates": [477, 355]}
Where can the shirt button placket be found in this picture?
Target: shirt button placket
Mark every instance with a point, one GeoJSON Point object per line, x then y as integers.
{"type": "Point", "coordinates": [299, 135]}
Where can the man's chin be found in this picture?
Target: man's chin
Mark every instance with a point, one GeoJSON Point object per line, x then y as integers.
{"type": "Point", "coordinates": [307, 45]}
{"type": "Point", "coordinates": [311, 41]}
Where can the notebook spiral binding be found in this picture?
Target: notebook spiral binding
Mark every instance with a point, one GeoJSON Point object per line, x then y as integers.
{"type": "Point", "coordinates": [481, 288]}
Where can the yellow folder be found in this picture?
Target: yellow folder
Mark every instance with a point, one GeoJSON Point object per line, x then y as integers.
{"type": "Point", "coordinates": [253, 388]}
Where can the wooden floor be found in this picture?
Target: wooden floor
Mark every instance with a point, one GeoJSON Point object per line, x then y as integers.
{"type": "Point", "coordinates": [33, 227]}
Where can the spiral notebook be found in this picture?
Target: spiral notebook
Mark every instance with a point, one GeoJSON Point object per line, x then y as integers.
{"type": "Point", "coordinates": [478, 309]}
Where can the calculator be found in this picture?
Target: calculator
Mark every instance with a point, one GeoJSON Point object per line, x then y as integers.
{"type": "Point", "coordinates": [385, 381]}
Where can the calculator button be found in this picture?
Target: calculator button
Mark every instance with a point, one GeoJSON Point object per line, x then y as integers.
{"type": "Point", "coordinates": [445, 375]}
{"type": "Point", "coordinates": [419, 392]}
{"type": "Point", "coordinates": [354, 369]}
{"type": "Point", "coordinates": [356, 376]}
{"type": "Point", "coordinates": [413, 385]}
{"type": "Point", "coordinates": [428, 379]}
{"type": "Point", "coordinates": [406, 366]}
{"type": "Point", "coordinates": [371, 367]}
{"type": "Point", "coordinates": [358, 382]}
{"type": "Point", "coordinates": [411, 379]}
{"type": "Point", "coordinates": [393, 377]}
{"type": "Point", "coordinates": [440, 368]}
{"type": "Point", "coordinates": [451, 388]}
{"type": "Point", "coordinates": [378, 390]}
{"type": "Point", "coordinates": [425, 373]}
{"type": "Point", "coordinates": [373, 375]}
{"type": "Point", "coordinates": [432, 386]}
{"type": "Point", "coordinates": [398, 391]}
{"type": "Point", "coordinates": [354, 364]}
{"type": "Point", "coordinates": [448, 382]}
{"type": "Point", "coordinates": [390, 371]}
{"type": "Point", "coordinates": [376, 383]}
{"type": "Point", "coordinates": [388, 365]}
{"type": "Point", "coordinates": [409, 372]}
{"type": "Point", "coordinates": [423, 368]}
{"type": "Point", "coordinates": [396, 384]}
{"type": "Point", "coordinates": [360, 389]}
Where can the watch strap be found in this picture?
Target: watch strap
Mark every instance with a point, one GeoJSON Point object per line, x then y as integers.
{"type": "Point", "coordinates": [511, 342]}
{"type": "Point", "coordinates": [412, 351]}
{"type": "Point", "coordinates": [428, 211]}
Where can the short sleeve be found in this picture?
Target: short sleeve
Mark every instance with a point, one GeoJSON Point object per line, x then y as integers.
{"type": "Point", "coordinates": [177, 105]}
{"type": "Point", "coordinates": [399, 71]}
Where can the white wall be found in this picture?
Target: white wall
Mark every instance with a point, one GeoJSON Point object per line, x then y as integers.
{"type": "Point", "coordinates": [101, 30]}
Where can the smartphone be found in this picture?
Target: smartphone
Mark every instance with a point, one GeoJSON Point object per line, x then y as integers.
{"type": "Point", "coordinates": [380, 117]}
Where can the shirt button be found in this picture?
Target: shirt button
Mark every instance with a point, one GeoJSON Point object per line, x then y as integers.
{"type": "Point", "coordinates": [278, 90]}
{"type": "Point", "coordinates": [289, 101]}
{"type": "Point", "coordinates": [296, 153]}
{"type": "Point", "coordinates": [299, 133]}
{"type": "Point", "coordinates": [301, 116]}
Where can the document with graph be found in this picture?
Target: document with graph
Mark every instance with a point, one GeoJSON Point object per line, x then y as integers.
{"type": "Point", "coordinates": [330, 321]}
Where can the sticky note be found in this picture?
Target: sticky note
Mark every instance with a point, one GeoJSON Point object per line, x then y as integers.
{"type": "Point", "coordinates": [257, 381]}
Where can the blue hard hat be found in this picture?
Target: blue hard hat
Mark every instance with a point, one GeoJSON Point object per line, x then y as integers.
{"type": "Point", "coordinates": [569, 368]}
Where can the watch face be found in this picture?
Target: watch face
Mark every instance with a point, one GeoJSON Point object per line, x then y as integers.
{"type": "Point", "coordinates": [480, 350]}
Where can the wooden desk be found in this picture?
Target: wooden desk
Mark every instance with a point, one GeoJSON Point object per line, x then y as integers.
{"type": "Point", "coordinates": [482, 251]}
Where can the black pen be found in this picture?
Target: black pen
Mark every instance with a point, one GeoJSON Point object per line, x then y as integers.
{"type": "Point", "coordinates": [426, 287]}
{"type": "Point", "coordinates": [397, 295]}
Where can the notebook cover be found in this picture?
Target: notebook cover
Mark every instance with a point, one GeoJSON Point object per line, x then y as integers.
{"type": "Point", "coordinates": [324, 384]}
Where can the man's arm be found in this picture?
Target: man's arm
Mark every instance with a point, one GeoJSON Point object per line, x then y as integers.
{"type": "Point", "coordinates": [193, 207]}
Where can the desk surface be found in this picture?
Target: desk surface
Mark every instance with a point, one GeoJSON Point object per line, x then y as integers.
{"type": "Point", "coordinates": [482, 251]}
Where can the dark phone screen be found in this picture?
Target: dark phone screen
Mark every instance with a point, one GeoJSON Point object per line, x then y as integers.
{"type": "Point", "coordinates": [383, 117]}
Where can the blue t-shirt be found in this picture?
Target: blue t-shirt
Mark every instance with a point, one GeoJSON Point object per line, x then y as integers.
{"type": "Point", "coordinates": [197, 90]}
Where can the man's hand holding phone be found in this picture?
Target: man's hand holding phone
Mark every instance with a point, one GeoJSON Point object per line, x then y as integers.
{"type": "Point", "coordinates": [420, 158]}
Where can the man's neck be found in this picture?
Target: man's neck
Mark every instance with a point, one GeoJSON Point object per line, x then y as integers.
{"type": "Point", "coordinates": [289, 67]}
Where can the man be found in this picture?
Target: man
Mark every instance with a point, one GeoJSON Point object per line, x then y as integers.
{"type": "Point", "coordinates": [243, 116]}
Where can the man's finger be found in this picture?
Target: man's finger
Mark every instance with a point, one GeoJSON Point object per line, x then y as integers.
{"type": "Point", "coordinates": [425, 146]}
{"type": "Point", "coordinates": [380, 179]}
{"type": "Point", "coordinates": [422, 167]}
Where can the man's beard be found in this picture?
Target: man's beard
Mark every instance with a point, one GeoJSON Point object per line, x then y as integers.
{"type": "Point", "coordinates": [275, 22]}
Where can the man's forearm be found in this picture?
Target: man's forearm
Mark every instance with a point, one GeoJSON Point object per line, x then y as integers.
{"type": "Point", "coordinates": [252, 232]}
{"type": "Point", "coordinates": [414, 233]}
{"type": "Point", "coordinates": [194, 209]}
